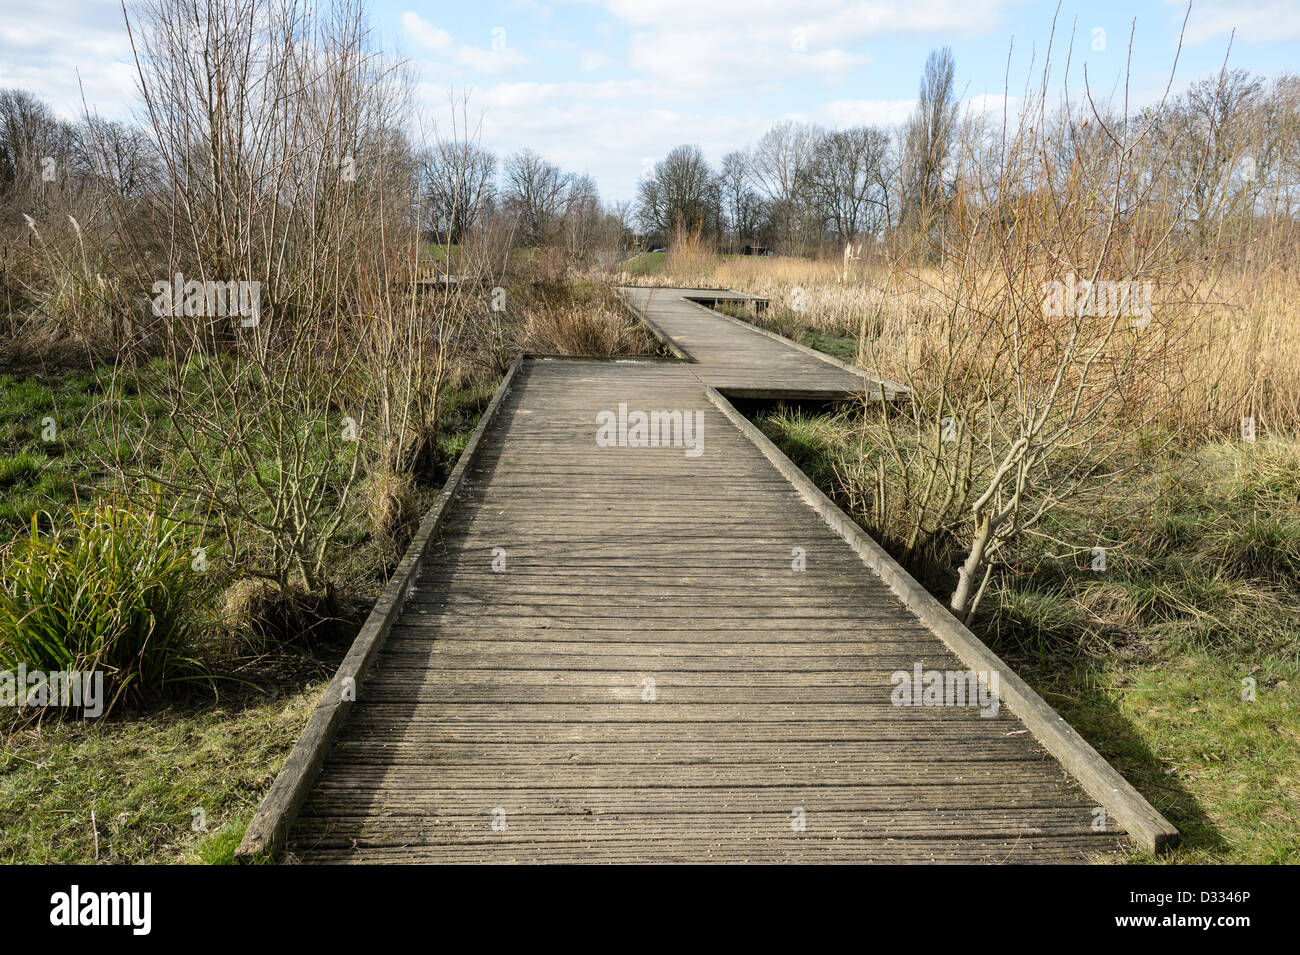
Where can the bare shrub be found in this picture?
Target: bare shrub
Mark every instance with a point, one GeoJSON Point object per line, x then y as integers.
{"type": "Point", "coordinates": [288, 186]}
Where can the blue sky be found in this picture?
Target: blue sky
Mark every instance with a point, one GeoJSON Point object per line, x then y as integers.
{"type": "Point", "coordinates": [607, 86]}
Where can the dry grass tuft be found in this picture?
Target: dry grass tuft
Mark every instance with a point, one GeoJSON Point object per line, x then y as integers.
{"type": "Point", "coordinates": [394, 506]}
{"type": "Point", "coordinates": [581, 318]}
{"type": "Point", "coordinates": [267, 616]}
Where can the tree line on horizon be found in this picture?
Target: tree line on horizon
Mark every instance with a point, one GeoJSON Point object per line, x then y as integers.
{"type": "Point", "coordinates": [1227, 147]}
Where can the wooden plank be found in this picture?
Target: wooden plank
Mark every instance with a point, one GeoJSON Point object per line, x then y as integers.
{"type": "Point", "coordinates": [797, 849]}
{"type": "Point", "coordinates": [364, 725]}
{"type": "Point", "coordinates": [400, 711]}
{"type": "Point", "coordinates": [475, 827]}
{"type": "Point", "coordinates": [728, 350]}
{"type": "Point", "coordinates": [352, 748]}
{"type": "Point", "coordinates": [593, 800]}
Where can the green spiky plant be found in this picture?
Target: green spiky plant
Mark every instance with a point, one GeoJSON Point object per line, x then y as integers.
{"type": "Point", "coordinates": [113, 590]}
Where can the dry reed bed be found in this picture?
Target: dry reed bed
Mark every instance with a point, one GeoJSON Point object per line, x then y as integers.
{"type": "Point", "coordinates": [1231, 350]}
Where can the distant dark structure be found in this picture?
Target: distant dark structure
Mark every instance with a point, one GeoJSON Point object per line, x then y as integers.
{"type": "Point", "coordinates": [756, 250]}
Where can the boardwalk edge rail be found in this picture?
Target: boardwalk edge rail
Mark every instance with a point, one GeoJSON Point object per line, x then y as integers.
{"type": "Point", "coordinates": [266, 834]}
{"type": "Point", "coordinates": [1147, 827]}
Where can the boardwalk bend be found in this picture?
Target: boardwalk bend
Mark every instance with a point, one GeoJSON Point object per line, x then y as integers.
{"type": "Point", "coordinates": [631, 630]}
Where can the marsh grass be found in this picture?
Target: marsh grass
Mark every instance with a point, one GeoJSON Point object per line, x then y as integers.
{"type": "Point", "coordinates": [1202, 547]}
{"type": "Point", "coordinates": [578, 317]}
{"type": "Point", "coordinates": [1237, 355]}
{"type": "Point", "coordinates": [113, 590]}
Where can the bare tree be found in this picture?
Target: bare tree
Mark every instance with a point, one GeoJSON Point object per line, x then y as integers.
{"type": "Point", "coordinates": [535, 193]}
{"type": "Point", "coordinates": [779, 165]}
{"type": "Point", "coordinates": [1218, 162]}
{"type": "Point", "coordinates": [118, 156]}
{"type": "Point", "coordinates": [781, 158]}
{"type": "Point", "coordinates": [681, 191]}
{"type": "Point", "coordinates": [927, 144]}
{"type": "Point", "coordinates": [34, 144]}
{"type": "Point", "coordinates": [623, 213]}
{"type": "Point", "coordinates": [458, 176]}
{"type": "Point", "coordinates": [742, 205]}
{"type": "Point", "coordinates": [583, 218]}
{"type": "Point", "coordinates": [849, 180]}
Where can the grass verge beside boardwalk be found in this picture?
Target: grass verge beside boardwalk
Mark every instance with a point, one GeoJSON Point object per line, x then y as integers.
{"type": "Point", "coordinates": [177, 782]}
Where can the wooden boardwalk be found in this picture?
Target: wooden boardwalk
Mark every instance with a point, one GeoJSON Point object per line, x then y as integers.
{"type": "Point", "coordinates": [737, 358]}
{"type": "Point", "coordinates": [613, 653]}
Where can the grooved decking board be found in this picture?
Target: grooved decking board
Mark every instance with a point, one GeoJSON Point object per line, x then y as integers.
{"type": "Point", "coordinates": [646, 847]}
{"type": "Point", "coordinates": [519, 695]}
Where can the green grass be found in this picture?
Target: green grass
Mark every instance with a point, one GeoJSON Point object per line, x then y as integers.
{"type": "Point", "coordinates": [1224, 771]}
{"type": "Point", "coordinates": [441, 251]}
{"type": "Point", "coordinates": [20, 470]}
{"type": "Point", "coordinates": [458, 418]}
{"type": "Point", "coordinates": [647, 263]}
{"type": "Point", "coordinates": [46, 468]}
{"type": "Point", "coordinates": [112, 590]}
{"type": "Point", "coordinates": [843, 347]}
{"type": "Point", "coordinates": [24, 457]}
{"type": "Point", "coordinates": [813, 442]}
{"type": "Point", "coordinates": [144, 778]}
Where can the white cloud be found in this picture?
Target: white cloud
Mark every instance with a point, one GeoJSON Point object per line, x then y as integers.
{"type": "Point", "coordinates": [832, 18]}
{"type": "Point", "coordinates": [603, 128]}
{"type": "Point", "coordinates": [592, 60]}
{"type": "Point", "coordinates": [697, 64]}
{"type": "Point", "coordinates": [43, 54]}
{"type": "Point", "coordinates": [499, 57]}
{"type": "Point", "coordinates": [425, 34]}
{"type": "Point", "coordinates": [721, 46]}
{"type": "Point", "coordinates": [992, 104]}
{"type": "Point", "coordinates": [842, 113]}
{"type": "Point", "coordinates": [1255, 21]}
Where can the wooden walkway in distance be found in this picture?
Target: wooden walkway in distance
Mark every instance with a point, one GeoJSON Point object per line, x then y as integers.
{"type": "Point", "coordinates": [739, 359]}
{"type": "Point", "coordinates": [640, 654]}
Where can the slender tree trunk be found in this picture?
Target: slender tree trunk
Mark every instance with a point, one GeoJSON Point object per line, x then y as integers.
{"type": "Point", "coordinates": [968, 573]}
